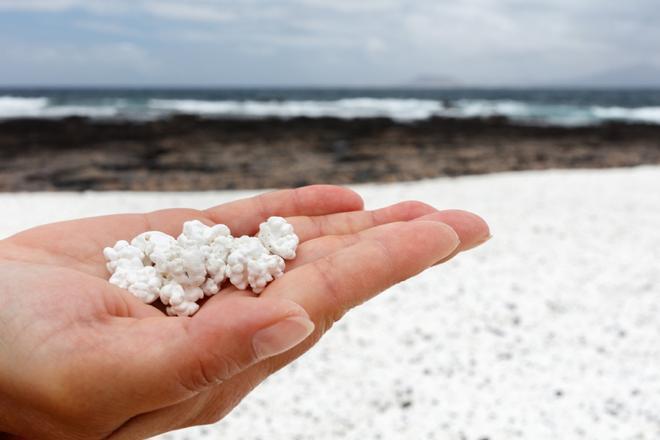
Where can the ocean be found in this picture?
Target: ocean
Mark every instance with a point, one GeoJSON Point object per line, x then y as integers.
{"type": "Point", "coordinates": [567, 107]}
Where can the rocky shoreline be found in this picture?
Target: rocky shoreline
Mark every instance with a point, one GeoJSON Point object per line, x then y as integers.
{"type": "Point", "coordinates": [188, 153]}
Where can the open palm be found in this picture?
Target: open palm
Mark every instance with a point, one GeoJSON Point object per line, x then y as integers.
{"type": "Point", "coordinates": [81, 358]}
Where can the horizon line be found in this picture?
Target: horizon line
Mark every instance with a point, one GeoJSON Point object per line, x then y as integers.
{"type": "Point", "coordinates": [119, 86]}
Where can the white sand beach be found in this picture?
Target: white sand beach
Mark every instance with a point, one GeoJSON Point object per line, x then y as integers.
{"type": "Point", "coordinates": [549, 331]}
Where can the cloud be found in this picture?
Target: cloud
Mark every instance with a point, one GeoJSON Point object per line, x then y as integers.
{"type": "Point", "coordinates": [375, 46]}
{"type": "Point", "coordinates": [96, 6]}
{"type": "Point", "coordinates": [37, 5]}
{"type": "Point", "coordinates": [351, 6]}
{"type": "Point", "coordinates": [63, 63]}
{"type": "Point", "coordinates": [191, 11]}
{"type": "Point", "coordinates": [107, 27]}
{"type": "Point", "coordinates": [482, 41]}
{"type": "Point", "coordinates": [188, 11]}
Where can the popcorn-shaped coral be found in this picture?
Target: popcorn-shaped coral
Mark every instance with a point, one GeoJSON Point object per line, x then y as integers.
{"type": "Point", "coordinates": [198, 235]}
{"type": "Point", "coordinates": [183, 309]}
{"type": "Point", "coordinates": [182, 265]}
{"type": "Point", "coordinates": [216, 263]}
{"type": "Point", "coordinates": [182, 301]}
{"type": "Point", "coordinates": [215, 243]}
{"type": "Point", "coordinates": [277, 236]}
{"type": "Point", "coordinates": [144, 283]}
{"type": "Point", "coordinates": [122, 254]}
{"type": "Point", "coordinates": [182, 271]}
{"type": "Point", "coordinates": [250, 263]}
{"type": "Point", "coordinates": [263, 271]}
{"type": "Point", "coordinates": [147, 242]}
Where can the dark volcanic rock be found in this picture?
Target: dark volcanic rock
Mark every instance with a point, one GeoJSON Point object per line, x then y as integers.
{"type": "Point", "coordinates": [192, 153]}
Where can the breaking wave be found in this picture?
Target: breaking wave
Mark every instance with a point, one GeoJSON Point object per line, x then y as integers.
{"type": "Point", "coordinates": [399, 109]}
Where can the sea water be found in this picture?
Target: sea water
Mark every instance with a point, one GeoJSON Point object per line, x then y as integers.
{"type": "Point", "coordinates": [571, 107]}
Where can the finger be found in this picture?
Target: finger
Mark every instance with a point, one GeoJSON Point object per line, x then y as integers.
{"type": "Point", "coordinates": [345, 224]}
{"type": "Point", "coordinates": [244, 216]}
{"type": "Point", "coordinates": [470, 228]}
{"type": "Point", "coordinates": [329, 286]}
{"type": "Point", "coordinates": [310, 227]}
{"type": "Point", "coordinates": [173, 359]}
{"type": "Point", "coordinates": [78, 244]}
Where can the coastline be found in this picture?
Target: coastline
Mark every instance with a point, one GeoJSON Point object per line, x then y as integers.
{"type": "Point", "coordinates": [191, 153]}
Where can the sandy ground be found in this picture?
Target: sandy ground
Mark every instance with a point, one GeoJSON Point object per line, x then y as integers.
{"type": "Point", "coordinates": [552, 330]}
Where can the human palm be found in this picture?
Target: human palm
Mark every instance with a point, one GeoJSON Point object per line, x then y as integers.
{"type": "Point", "coordinates": [81, 358]}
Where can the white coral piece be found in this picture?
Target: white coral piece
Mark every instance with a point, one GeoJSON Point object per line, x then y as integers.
{"type": "Point", "coordinates": [182, 265]}
{"type": "Point", "coordinates": [174, 293]}
{"type": "Point", "coordinates": [198, 235]}
{"type": "Point", "coordinates": [122, 254]}
{"type": "Point", "coordinates": [216, 263]}
{"type": "Point", "coordinates": [214, 242]}
{"type": "Point", "coordinates": [183, 309]}
{"type": "Point", "coordinates": [182, 271]}
{"type": "Point", "coordinates": [144, 283]}
{"type": "Point", "coordinates": [148, 242]}
{"type": "Point", "coordinates": [278, 236]}
{"type": "Point", "coordinates": [193, 234]}
{"type": "Point", "coordinates": [182, 301]}
{"type": "Point", "coordinates": [250, 263]}
{"type": "Point", "coordinates": [264, 270]}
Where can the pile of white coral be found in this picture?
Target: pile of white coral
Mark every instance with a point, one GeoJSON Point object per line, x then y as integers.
{"type": "Point", "coordinates": [180, 271]}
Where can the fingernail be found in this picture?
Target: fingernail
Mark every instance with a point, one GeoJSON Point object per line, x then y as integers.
{"type": "Point", "coordinates": [281, 336]}
{"type": "Point", "coordinates": [477, 244]}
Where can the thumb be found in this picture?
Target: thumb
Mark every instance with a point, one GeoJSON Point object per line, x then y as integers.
{"type": "Point", "coordinates": [237, 331]}
{"type": "Point", "coordinates": [229, 334]}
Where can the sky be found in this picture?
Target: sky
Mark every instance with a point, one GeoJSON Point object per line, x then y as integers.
{"type": "Point", "coordinates": [321, 42]}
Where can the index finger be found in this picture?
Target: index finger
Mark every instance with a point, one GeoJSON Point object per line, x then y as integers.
{"type": "Point", "coordinates": [78, 244]}
{"type": "Point", "coordinates": [327, 287]}
{"type": "Point", "coordinates": [243, 216]}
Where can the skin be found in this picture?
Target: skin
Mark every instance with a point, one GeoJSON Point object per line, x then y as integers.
{"type": "Point", "coordinates": [83, 359]}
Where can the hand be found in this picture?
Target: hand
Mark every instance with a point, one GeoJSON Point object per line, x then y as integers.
{"type": "Point", "coordinates": [81, 358]}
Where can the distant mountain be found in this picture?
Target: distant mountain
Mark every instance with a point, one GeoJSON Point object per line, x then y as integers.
{"type": "Point", "coordinates": [641, 75]}
{"type": "Point", "coordinates": [433, 81]}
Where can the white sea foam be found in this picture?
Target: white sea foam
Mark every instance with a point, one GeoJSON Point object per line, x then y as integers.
{"type": "Point", "coordinates": [352, 108]}
{"type": "Point", "coordinates": [80, 110]}
{"type": "Point", "coordinates": [640, 114]}
{"type": "Point", "coordinates": [474, 108]}
{"type": "Point", "coordinates": [14, 107]}
{"type": "Point", "coordinates": [525, 112]}
{"type": "Point", "coordinates": [399, 109]}
{"type": "Point", "coordinates": [411, 110]}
